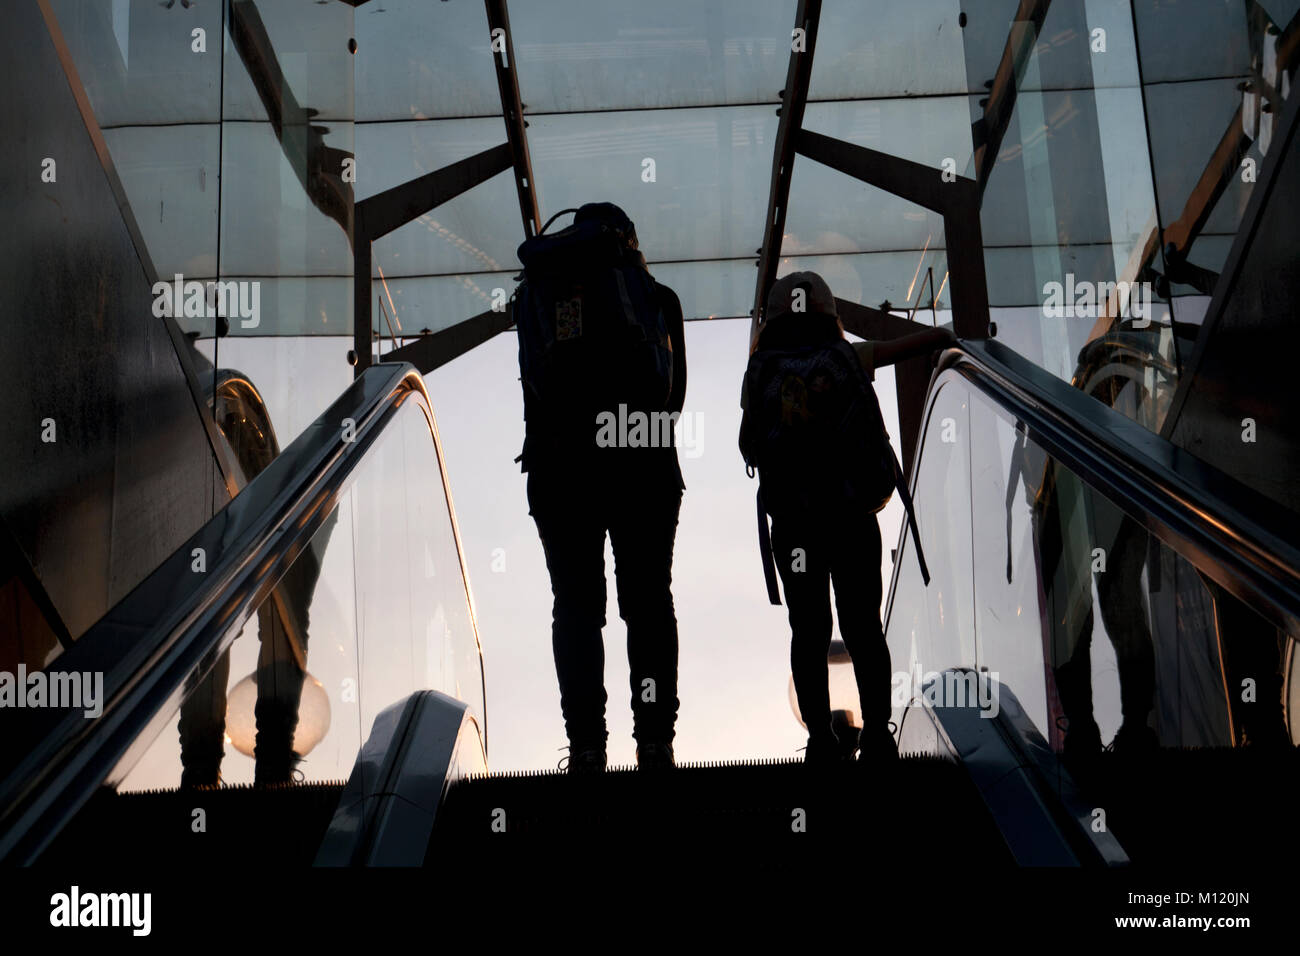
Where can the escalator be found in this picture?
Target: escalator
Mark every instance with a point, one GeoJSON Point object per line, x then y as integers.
{"type": "Point", "coordinates": [1143, 757]}
{"type": "Point", "coordinates": [335, 576]}
{"type": "Point", "coordinates": [1093, 739]}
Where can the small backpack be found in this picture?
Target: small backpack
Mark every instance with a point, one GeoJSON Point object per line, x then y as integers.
{"type": "Point", "coordinates": [592, 332]}
{"type": "Point", "coordinates": [814, 433]}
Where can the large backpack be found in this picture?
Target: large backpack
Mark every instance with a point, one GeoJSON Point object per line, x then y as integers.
{"type": "Point", "coordinates": [814, 433]}
{"type": "Point", "coordinates": [592, 332]}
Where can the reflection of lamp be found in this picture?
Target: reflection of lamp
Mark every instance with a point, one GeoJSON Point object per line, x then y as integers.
{"type": "Point", "coordinates": [313, 716]}
{"type": "Point", "coordinates": [845, 718]}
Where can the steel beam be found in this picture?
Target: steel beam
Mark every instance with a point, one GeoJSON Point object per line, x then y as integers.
{"type": "Point", "coordinates": [793, 100]}
{"type": "Point", "coordinates": [513, 110]}
{"type": "Point", "coordinates": [987, 132]}
{"type": "Point", "coordinates": [393, 208]}
{"type": "Point", "coordinates": [957, 201]}
{"type": "Point", "coordinates": [436, 349]}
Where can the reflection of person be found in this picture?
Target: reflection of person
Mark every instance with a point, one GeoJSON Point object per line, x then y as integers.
{"type": "Point", "coordinates": [282, 625]}
{"type": "Point", "coordinates": [589, 306]}
{"type": "Point", "coordinates": [1253, 661]}
{"type": "Point", "coordinates": [1070, 521]}
{"type": "Point", "coordinates": [831, 532]}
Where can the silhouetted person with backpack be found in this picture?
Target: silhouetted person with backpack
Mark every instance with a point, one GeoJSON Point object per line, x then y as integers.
{"type": "Point", "coordinates": [603, 365]}
{"type": "Point", "coordinates": [813, 430]}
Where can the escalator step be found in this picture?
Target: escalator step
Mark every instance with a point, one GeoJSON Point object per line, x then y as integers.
{"type": "Point", "coordinates": [888, 806]}
{"type": "Point", "coordinates": [235, 825]}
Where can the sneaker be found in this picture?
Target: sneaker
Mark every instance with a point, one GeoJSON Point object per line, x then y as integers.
{"type": "Point", "coordinates": [1135, 740]}
{"type": "Point", "coordinates": [654, 756]}
{"type": "Point", "coordinates": [584, 760]}
{"type": "Point", "coordinates": [876, 746]}
{"type": "Point", "coordinates": [823, 752]}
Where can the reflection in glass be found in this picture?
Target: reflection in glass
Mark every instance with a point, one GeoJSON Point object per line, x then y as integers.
{"type": "Point", "coordinates": [1107, 637]}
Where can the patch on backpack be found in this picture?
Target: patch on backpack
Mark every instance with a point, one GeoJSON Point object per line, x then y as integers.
{"type": "Point", "coordinates": [794, 399]}
{"type": "Point", "coordinates": [568, 319]}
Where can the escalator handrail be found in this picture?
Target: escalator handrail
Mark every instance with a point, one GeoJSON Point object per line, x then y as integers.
{"type": "Point", "coordinates": [1230, 532]}
{"type": "Point", "coordinates": [178, 619]}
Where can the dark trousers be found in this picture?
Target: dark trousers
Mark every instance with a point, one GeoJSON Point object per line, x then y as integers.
{"type": "Point", "coordinates": [574, 509]}
{"type": "Point", "coordinates": [283, 625]}
{"type": "Point", "coordinates": [810, 555]}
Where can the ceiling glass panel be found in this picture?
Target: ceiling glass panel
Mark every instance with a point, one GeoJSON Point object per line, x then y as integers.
{"type": "Point", "coordinates": [1048, 184]}
{"type": "Point", "coordinates": [1182, 41]}
{"type": "Point", "coordinates": [887, 48]}
{"type": "Point", "coordinates": [419, 59]}
{"type": "Point", "coordinates": [707, 289]}
{"type": "Point", "coordinates": [1063, 48]}
{"type": "Point", "coordinates": [874, 278]}
{"type": "Point", "coordinates": [830, 212]}
{"type": "Point", "coordinates": [710, 289]}
{"type": "Point", "coordinates": [711, 170]}
{"type": "Point", "coordinates": [478, 231]}
{"type": "Point", "coordinates": [596, 55]}
{"type": "Point", "coordinates": [926, 131]}
{"type": "Point", "coordinates": [307, 41]}
{"type": "Point", "coordinates": [137, 63]}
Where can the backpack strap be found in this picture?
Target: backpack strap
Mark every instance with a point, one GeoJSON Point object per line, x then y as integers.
{"type": "Point", "coordinates": [900, 482]}
{"type": "Point", "coordinates": [765, 548]}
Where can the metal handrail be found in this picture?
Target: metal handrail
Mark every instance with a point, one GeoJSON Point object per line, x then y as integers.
{"type": "Point", "coordinates": [178, 620]}
{"type": "Point", "coordinates": [1231, 533]}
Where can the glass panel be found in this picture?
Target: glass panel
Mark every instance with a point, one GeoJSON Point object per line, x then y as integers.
{"type": "Point", "coordinates": [1069, 217]}
{"type": "Point", "coordinates": [137, 61]}
{"type": "Point", "coordinates": [1105, 635]}
{"type": "Point", "coordinates": [421, 60]}
{"type": "Point", "coordinates": [1070, 204]}
{"type": "Point", "coordinates": [310, 48]}
{"type": "Point", "coordinates": [170, 176]}
{"type": "Point", "coordinates": [591, 55]}
{"type": "Point", "coordinates": [375, 608]}
{"type": "Point", "coordinates": [259, 698]}
{"type": "Point", "coordinates": [413, 619]}
{"type": "Point", "coordinates": [899, 279]}
{"type": "Point", "coordinates": [882, 49]}
{"type": "Point", "coordinates": [925, 131]}
{"type": "Point", "coordinates": [712, 169]}
{"type": "Point", "coordinates": [270, 226]}
{"type": "Point", "coordinates": [286, 149]}
{"type": "Point", "coordinates": [931, 628]}
{"type": "Point", "coordinates": [477, 231]}
{"type": "Point", "coordinates": [295, 376]}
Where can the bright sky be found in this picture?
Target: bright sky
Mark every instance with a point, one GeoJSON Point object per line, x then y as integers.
{"type": "Point", "coordinates": [734, 662]}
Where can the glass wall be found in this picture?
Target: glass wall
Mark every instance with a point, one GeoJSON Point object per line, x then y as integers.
{"type": "Point", "coordinates": [1122, 140]}
{"type": "Point", "coordinates": [230, 126]}
{"type": "Point", "coordinates": [374, 608]}
{"type": "Point", "coordinates": [1107, 637]}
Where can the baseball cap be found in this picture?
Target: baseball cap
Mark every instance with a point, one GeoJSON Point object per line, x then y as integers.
{"type": "Point", "coordinates": [797, 293]}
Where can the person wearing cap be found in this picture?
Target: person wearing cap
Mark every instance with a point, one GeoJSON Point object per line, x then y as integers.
{"type": "Point", "coordinates": [840, 544]}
